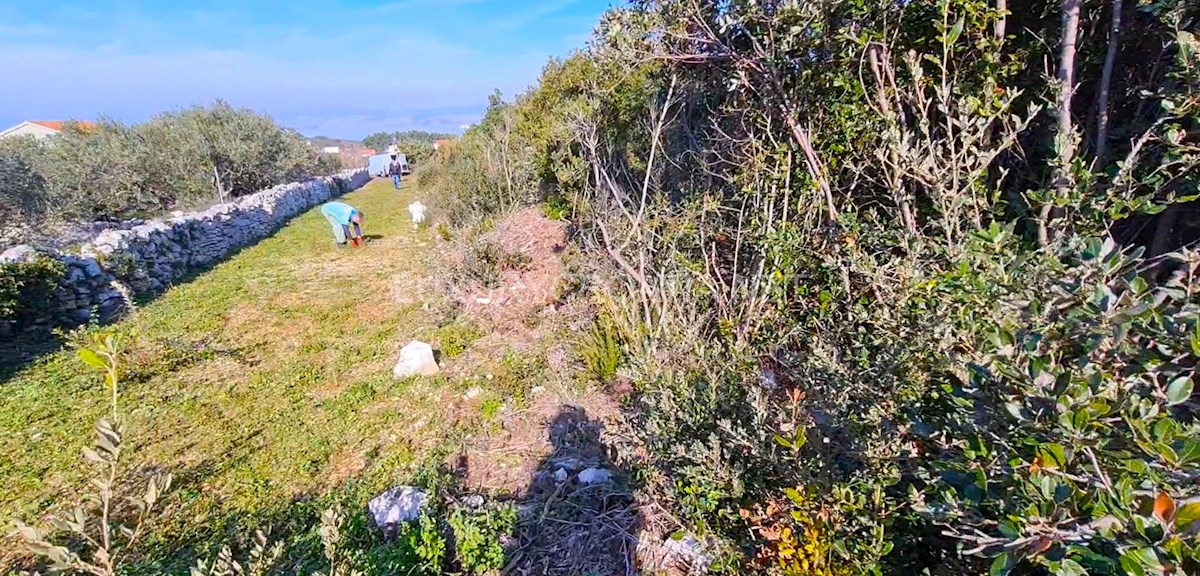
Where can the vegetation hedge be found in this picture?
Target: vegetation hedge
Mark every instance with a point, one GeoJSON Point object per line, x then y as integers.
{"type": "Point", "coordinates": [27, 292]}
{"type": "Point", "coordinates": [903, 288]}
{"type": "Point", "coordinates": [176, 160]}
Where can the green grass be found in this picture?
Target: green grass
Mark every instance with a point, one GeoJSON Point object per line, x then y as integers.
{"type": "Point", "coordinates": [263, 383]}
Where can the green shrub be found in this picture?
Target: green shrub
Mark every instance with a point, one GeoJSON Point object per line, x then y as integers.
{"type": "Point", "coordinates": [490, 408]}
{"type": "Point", "coordinates": [847, 250]}
{"type": "Point", "coordinates": [455, 338]}
{"type": "Point", "coordinates": [601, 351]}
{"type": "Point", "coordinates": [27, 291]}
{"type": "Point", "coordinates": [182, 159]}
{"type": "Point", "coordinates": [1091, 431]}
{"type": "Point", "coordinates": [479, 536]}
{"type": "Point", "coordinates": [557, 208]}
{"type": "Point", "coordinates": [481, 264]}
{"type": "Point", "coordinates": [22, 188]}
{"type": "Point", "coordinates": [519, 372]}
{"type": "Point", "coordinates": [420, 548]}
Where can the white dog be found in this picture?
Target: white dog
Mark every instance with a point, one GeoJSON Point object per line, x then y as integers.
{"type": "Point", "coordinates": [417, 210]}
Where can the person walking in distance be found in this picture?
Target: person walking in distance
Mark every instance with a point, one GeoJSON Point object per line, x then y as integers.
{"type": "Point", "coordinates": [395, 169]}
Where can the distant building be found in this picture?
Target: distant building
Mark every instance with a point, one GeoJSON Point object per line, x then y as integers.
{"type": "Point", "coordinates": [331, 150]}
{"type": "Point", "coordinates": [437, 144]}
{"type": "Point", "coordinates": [43, 128]}
{"type": "Point", "coordinates": [368, 152]}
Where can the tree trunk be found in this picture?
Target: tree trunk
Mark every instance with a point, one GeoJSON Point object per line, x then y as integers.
{"type": "Point", "coordinates": [220, 186]}
{"type": "Point", "coordinates": [1114, 41]}
{"type": "Point", "coordinates": [1002, 19]}
{"type": "Point", "coordinates": [1064, 134]}
{"type": "Point", "coordinates": [1163, 231]}
{"type": "Point", "coordinates": [895, 180]}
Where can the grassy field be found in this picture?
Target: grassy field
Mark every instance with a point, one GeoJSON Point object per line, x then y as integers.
{"type": "Point", "coordinates": [263, 385]}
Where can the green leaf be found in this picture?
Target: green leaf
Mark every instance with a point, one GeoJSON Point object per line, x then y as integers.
{"type": "Point", "coordinates": [955, 32]}
{"type": "Point", "coordinates": [1187, 513]}
{"type": "Point", "coordinates": [1179, 390]}
{"type": "Point", "coordinates": [1069, 567]}
{"type": "Point", "coordinates": [1052, 455]}
{"type": "Point", "coordinates": [92, 359]}
{"type": "Point", "coordinates": [1138, 561]}
{"type": "Point", "coordinates": [1002, 565]}
{"type": "Point", "coordinates": [793, 495]}
{"type": "Point", "coordinates": [1131, 566]}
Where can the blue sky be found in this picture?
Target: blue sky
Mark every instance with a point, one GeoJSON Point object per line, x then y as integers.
{"type": "Point", "coordinates": [335, 68]}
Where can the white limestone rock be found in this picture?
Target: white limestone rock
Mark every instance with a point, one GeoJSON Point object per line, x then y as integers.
{"type": "Point", "coordinates": [416, 359]}
{"type": "Point", "coordinates": [397, 506]}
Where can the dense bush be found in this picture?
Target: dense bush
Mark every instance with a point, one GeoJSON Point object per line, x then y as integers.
{"type": "Point", "coordinates": [27, 292]}
{"type": "Point", "coordinates": [22, 189]}
{"type": "Point", "coordinates": [894, 300]}
{"type": "Point", "coordinates": [180, 159]}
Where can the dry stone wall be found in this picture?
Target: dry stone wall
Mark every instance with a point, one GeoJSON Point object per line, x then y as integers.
{"type": "Point", "coordinates": [148, 257]}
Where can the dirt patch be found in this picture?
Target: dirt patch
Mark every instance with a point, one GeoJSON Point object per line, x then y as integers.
{"type": "Point", "coordinates": [523, 290]}
{"type": "Point", "coordinates": [412, 288]}
{"type": "Point", "coordinates": [344, 465]}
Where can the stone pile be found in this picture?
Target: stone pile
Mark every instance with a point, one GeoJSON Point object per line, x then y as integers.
{"type": "Point", "coordinates": [148, 257]}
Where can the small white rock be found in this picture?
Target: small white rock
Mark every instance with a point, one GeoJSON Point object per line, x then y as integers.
{"type": "Point", "coordinates": [474, 392]}
{"type": "Point", "coordinates": [482, 300]}
{"type": "Point", "coordinates": [400, 504]}
{"type": "Point", "coordinates": [690, 552]}
{"type": "Point", "coordinates": [416, 358]}
{"type": "Point", "coordinates": [21, 253]}
{"type": "Point", "coordinates": [594, 476]}
{"type": "Point", "coordinates": [560, 475]}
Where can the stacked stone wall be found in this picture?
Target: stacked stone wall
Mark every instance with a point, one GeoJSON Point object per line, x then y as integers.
{"type": "Point", "coordinates": [148, 257]}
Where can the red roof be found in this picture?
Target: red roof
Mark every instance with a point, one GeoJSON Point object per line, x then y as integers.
{"type": "Point", "coordinates": [57, 125]}
{"type": "Point", "coordinates": [368, 152]}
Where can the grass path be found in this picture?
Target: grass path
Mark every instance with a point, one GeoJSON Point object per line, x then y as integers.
{"type": "Point", "coordinates": [260, 384]}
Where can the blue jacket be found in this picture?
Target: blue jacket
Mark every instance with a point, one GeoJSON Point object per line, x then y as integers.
{"type": "Point", "coordinates": [339, 212]}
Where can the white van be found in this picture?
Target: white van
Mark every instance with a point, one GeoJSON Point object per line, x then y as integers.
{"type": "Point", "coordinates": [377, 165]}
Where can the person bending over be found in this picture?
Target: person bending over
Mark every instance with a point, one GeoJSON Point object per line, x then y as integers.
{"type": "Point", "coordinates": [341, 218]}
